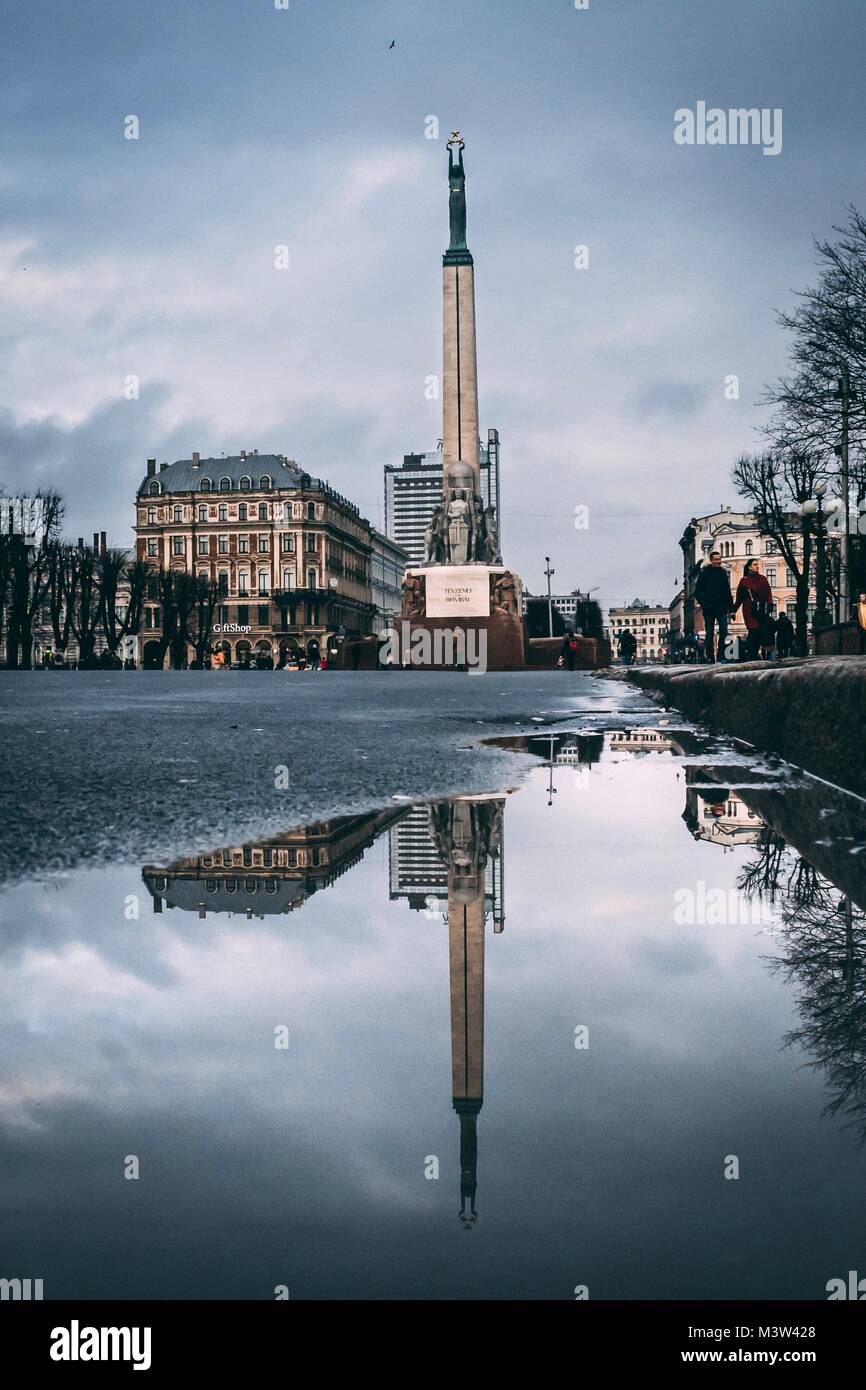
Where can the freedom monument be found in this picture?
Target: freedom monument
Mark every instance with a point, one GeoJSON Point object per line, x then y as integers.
{"type": "Point", "coordinates": [463, 586]}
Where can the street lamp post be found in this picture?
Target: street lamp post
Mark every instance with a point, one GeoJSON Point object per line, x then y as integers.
{"type": "Point", "coordinates": [815, 507]}
{"type": "Point", "coordinates": [549, 572]}
{"type": "Point", "coordinates": [845, 393]}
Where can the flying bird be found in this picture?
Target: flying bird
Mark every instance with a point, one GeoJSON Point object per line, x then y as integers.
{"type": "Point", "coordinates": [392, 44]}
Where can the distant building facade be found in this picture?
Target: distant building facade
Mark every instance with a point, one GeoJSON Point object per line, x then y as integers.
{"type": "Point", "coordinates": [413, 491]}
{"type": "Point", "coordinates": [648, 622]}
{"type": "Point", "coordinates": [264, 530]}
{"type": "Point", "coordinates": [569, 606]}
{"type": "Point", "coordinates": [737, 536]}
{"type": "Point", "coordinates": [388, 562]}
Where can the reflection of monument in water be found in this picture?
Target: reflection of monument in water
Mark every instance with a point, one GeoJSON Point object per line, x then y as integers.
{"type": "Point", "coordinates": [467, 833]}
{"type": "Point", "coordinates": [272, 876]}
{"type": "Point", "coordinates": [418, 873]}
{"type": "Point", "coordinates": [448, 854]}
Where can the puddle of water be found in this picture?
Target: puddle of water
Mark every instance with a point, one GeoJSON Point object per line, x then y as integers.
{"type": "Point", "coordinates": [494, 1047]}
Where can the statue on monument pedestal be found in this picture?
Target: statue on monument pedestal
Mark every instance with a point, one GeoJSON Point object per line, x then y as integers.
{"type": "Point", "coordinates": [457, 193]}
{"type": "Point", "coordinates": [413, 597]}
{"type": "Point", "coordinates": [459, 528]}
{"type": "Point", "coordinates": [436, 538]}
{"type": "Point", "coordinates": [491, 555]}
{"type": "Point", "coordinates": [505, 594]}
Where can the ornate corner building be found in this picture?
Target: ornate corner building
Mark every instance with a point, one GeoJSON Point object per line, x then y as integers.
{"type": "Point", "coordinates": [291, 556]}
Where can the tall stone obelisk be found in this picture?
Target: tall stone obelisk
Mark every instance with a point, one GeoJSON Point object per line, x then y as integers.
{"type": "Point", "coordinates": [463, 593]}
{"type": "Point", "coordinates": [459, 353]}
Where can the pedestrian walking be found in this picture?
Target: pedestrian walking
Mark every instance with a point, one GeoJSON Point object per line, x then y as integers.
{"type": "Point", "coordinates": [756, 597]}
{"type": "Point", "coordinates": [785, 636]}
{"type": "Point", "coordinates": [569, 649]}
{"type": "Point", "coordinates": [713, 593]}
{"type": "Point", "coordinates": [768, 635]}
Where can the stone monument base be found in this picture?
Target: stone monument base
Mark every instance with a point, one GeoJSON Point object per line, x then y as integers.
{"type": "Point", "coordinates": [457, 617]}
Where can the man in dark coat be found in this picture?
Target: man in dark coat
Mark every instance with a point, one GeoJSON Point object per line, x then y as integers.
{"type": "Point", "coordinates": [784, 636]}
{"type": "Point", "coordinates": [713, 593]}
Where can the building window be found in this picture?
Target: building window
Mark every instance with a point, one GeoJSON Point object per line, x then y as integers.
{"type": "Point", "coordinates": [245, 484]}
{"type": "Point", "coordinates": [789, 578]}
{"type": "Point", "coordinates": [287, 579]}
{"type": "Point", "coordinates": [223, 512]}
{"type": "Point", "coordinates": [151, 516]}
{"type": "Point", "coordinates": [288, 542]}
{"type": "Point", "coordinates": [771, 576]}
{"type": "Point", "coordinates": [242, 511]}
{"type": "Point", "coordinates": [263, 545]}
{"type": "Point", "coordinates": [152, 548]}
{"type": "Point", "coordinates": [311, 511]}
{"type": "Point", "coordinates": [224, 613]}
{"type": "Point", "coordinates": [243, 614]}
{"type": "Point", "coordinates": [311, 579]}
{"type": "Point", "coordinates": [266, 482]}
{"type": "Point", "coordinates": [154, 489]}
{"type": "Point", "coordinates": [264, 614]}
{"type": "Point", "coordinates": [223, 545]}
{"type": "Point", "coordinates": [203, 545]}
{"type": "Point", "coordinates": [177, 547]}
{"type": "Point", "coordinates": [202, 574]}
{"type": "Point", "coordinates": [224, 582]}
{"type": "Point", "coordinates": [243, 545]}
{"type": "Point", "coordinates": [243, 583]}
{"type": "Point", "coordinates": [206, 485]}
{"type": "Point", "coordinates": [225, 484]}
{"type": "Point", "coordinates": [202, 513]}
{"type": "Point", "coordinates": [769, 547]}
{"type": "Point", "coordinates": [178, 513]}
{"type": "Point", "coordinates": [748, 547]}
{"type": "Point", "coordinates": [311, 543]}
{"type": "Point", "coordinates": [263, 581]}
{"type": "Point", "coordinates": [263, 511]}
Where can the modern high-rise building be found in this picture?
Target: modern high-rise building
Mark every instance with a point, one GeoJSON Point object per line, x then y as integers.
{"type": "Point", "coordinates": [413, 491]}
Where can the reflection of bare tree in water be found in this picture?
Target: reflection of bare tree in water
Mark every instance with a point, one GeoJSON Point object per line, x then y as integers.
{"type": "Point", "coordinates": [823, 936]}
{"type": "Point", "coordinates": [760, 878]}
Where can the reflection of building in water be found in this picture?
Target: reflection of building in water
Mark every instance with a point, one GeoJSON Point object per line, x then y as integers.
{"type": "Point", "coordinates": [639, 741]}
{"type": "Point", "coordinates": [467, 833]}
{"type": "Point", "coordinates": [572, 750]}
{"type": "Point", "coordinates": [272, 876]}
{"type": "Point", "coordinates": [718, 815]}
{"type": "Point", "coordinates": [418, 873]}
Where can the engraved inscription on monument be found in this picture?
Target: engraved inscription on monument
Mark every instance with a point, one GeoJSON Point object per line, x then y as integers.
{"type": "Point", "coordinates": [457, 592]}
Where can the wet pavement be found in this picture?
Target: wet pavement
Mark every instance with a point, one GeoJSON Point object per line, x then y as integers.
{"type": "Point", "coordinates": [100, 767]}
{"type": "Point", "coordinates": [601, 1023]}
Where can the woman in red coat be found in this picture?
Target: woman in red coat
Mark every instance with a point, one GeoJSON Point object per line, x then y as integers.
{"type": "Point", "coordinates": [755, 594]}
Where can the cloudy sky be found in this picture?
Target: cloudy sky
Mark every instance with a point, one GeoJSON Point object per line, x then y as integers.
{"type": "Point", "coordinates": [261, 127]}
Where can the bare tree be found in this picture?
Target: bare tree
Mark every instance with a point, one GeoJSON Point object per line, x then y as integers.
{"type": "Point", "coordinates": [828, 328]}
{"type": "Point", "coordinates": [775, 484]}
{"type": "Point", "coordinates": [114, 569]}
{"type": "Point", "coordinates": [207, 596]}
{"type": "Point", "coordinates": [29, 571]}
{"type": "Point", "coordinates": [85, 602]}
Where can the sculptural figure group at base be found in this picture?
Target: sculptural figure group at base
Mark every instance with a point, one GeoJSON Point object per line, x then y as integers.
{"type": "Point", "coordinates": [462, 531]}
